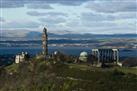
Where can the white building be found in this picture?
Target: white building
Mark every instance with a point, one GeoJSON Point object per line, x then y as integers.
{"type": "Point", "coordinates": [20, 57]}
{"type": "Point", "coordinates": [83, 56]}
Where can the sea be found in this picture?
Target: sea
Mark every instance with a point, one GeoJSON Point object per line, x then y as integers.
{"type": "Point", "coordinates": [66, 50]}
{"type": "Point", "coordinates": [7, 54]}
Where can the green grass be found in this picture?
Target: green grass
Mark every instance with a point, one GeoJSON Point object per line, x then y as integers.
{"type": "Point", "coordinates": [128, 70]}
{"type": "Point", "coordinates": [40, 75]}
{"type": "Point", "coordinates": [12, 68]}
{"type": "Point", "coordinates": [90, 67]}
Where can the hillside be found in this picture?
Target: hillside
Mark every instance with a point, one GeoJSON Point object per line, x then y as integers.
{"type": "Point", "coordinates": [34, 35]}
{"type": "Point", "coordinates": [38, 75]}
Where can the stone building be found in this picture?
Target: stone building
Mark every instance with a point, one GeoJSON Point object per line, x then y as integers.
{"type": "Point", "coordinates": [105, 55]}
{"type": "Point", "coordinates": [101, 57]}
{"type": "Point", "coordinates": [21, 57]}
{"type": "Point", "coordinates": [45, 42]}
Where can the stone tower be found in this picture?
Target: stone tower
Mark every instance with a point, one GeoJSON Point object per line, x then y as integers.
{"type": "Point", "coordinates": [45, 42]}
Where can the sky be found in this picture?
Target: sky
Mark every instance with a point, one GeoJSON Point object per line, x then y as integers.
{"type": "Point", "coordinates": [17, 17]}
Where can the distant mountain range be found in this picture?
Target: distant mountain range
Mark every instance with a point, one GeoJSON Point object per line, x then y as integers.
{"type": "Point", "coordinates": [33, 34]}
{"type": "Point", "coordinates": [37, 35]}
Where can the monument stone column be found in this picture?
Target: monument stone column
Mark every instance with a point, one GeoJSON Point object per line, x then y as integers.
{"type": "Point", "coordinates": [45, 42]}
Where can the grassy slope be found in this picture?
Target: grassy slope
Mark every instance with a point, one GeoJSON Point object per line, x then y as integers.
{"type": "Point", "coordinates": [125, 70]}
{"type": "Point", "coordinates": [45, 76]}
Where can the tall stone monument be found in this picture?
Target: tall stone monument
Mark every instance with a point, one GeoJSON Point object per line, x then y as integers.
{"type": "Point", "coordinates": [45, 42]}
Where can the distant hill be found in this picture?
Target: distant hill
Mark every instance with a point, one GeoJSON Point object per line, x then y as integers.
{"type": "Point", "coordinates": [34, 34]}
{"type": "Point", "coordinates": [37, 36]}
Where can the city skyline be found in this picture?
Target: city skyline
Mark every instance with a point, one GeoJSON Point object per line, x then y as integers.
{"type": "Point", "coordinates": [62, 16]}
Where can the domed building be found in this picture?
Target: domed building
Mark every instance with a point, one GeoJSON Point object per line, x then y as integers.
{"type": "Point", "coordinates": [83, 56]}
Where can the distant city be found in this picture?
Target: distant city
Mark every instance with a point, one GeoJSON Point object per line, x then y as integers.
{"type": "Point", "coordinates": [86, 40]}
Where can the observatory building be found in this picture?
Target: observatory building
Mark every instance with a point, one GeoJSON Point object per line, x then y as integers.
{"type": "Point", "coordinates": [83, 56]}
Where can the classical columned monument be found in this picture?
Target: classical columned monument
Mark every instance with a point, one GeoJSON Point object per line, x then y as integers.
{"type": "Point", "coordinates": [106, 55]}
{"type": "Point", "coordinates": [45, 42]}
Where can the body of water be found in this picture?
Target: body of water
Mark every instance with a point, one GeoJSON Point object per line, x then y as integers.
{"type": "Point", "coordinates": [66, 50]}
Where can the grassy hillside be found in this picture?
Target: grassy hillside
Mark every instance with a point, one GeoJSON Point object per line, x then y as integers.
{"type": "Point", "coordinates": [45, 76]}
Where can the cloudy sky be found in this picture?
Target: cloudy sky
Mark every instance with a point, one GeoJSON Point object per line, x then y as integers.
{"type": "Point", "coordinates": [69, 16]}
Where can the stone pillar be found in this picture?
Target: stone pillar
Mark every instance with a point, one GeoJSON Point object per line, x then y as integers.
{"type": "Point", "coordinates": [45, 42]}
{"type": "Point", "coordinates": [107, 58]}
{"type": "Point", "coordinates": [104, 54]}
{"type": "Point", "coordinates": [101, 55]}
{"type": "Point", "coordinates": [111, 56]}
{"type": "Point", "coordinates": [115, 55]}
{"type": "Point", "coordinates": [95, 52]}
{"type": "Point", "coordinates": [98, 56]}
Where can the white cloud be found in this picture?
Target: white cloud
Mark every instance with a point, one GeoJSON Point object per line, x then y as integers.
{"type": "Point", "coordinates": [52, 20]}
{"type": "Point", "coordinates": [19, 25]}
{"type": "Point", "coordinates": [38, 3]}
{"type": "Point", "coordinates": [112, 6]}
{"type": "Point", "coordinates": [94, 16]}
{"type": "Point", "coordinates": [36, 13]}
{"type": "Point", "coordinates": [2, 19]}
{"type": "Point", "coordinates": [39, 6]}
